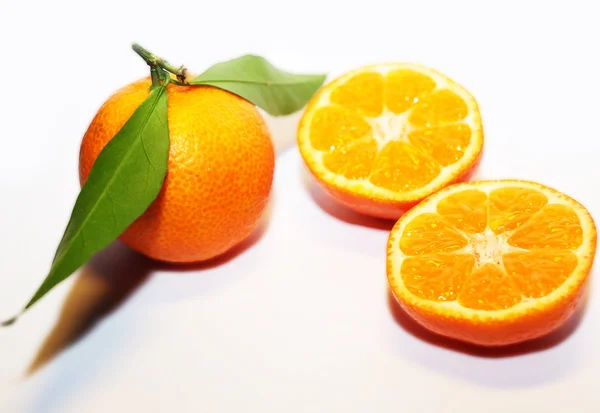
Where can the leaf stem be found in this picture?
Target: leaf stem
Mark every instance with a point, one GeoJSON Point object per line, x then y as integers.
{"type": "Point", "coordinates": [155, 77]}
{"type": "Point", "coordinates": [154, 61]}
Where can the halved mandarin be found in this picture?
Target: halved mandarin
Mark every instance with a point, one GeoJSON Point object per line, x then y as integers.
{"type": "Point", "coordinates": [381, 138]}
{"type": "Point", "coordinates": [492, 262]}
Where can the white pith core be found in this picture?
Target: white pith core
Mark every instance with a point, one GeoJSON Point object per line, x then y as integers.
{"type": "Point", "coordinates": [390, 126]}
{"type": "Point", "coordinates": [488, 247]}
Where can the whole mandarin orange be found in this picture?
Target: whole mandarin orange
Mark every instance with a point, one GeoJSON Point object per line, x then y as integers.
{"type": "Point", "coordinates": [219, 176]}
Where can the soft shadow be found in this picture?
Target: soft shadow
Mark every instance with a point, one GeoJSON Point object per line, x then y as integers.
{"type": "Point", "coordinates": [102, 285]}
{"type": "Point", "coordinates": [109, 279]}
{"type": "Point", "coordinates": [337, 210]}
{"type": "Point", "coordinates": [540, 344]}
{"type": "Point", "coordinates": [283, 130]}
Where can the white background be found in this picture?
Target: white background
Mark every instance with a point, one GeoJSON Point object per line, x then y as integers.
{"type": "Point", "coordinates": [299, 319]}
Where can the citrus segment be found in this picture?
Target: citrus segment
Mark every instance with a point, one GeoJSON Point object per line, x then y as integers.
{"type": "Point", "coordinates": [446, 144]}
{"type": "Point", "coordinates": [553, 226]}
{"type": "Point", "coordinates": [439, 107]}
{"type": "Point", "coordinates": [429, 234]}
{"type": "Point", "coordinates": [404, 89]}
{"type": "Point", "coordinates": [492, 262]}
{"type": "Point", "coordinates": [427, 129]}
{"type": "Point", "coordinates": [512, 206]}
{"type": "Point", "coordinates": [538, 273]}
{"type": "Point", "coordinates": [353, 160]}
{"type": "Point", "coordinates": [334, 127]}
{"type": "Point", "coordinates": [466, 210]}
{"type": "Point", "coordinates": [489, 288]}
{"type": "Point", "coordinates": [401, 167]}
{"type": "Point", "coordinates": [362, 93]}
{"type": "Point", "coordinates": [446, 274]}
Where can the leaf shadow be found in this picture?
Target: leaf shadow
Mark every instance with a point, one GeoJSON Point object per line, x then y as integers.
{"type": "Point", "coordinates": [337, 210]}
{"type": "Point", "coordinates": [102, 286]}
{"type": "Point", "coordinates": [283, 130]}
{"type": "Point", "coordinates": [109, 279]}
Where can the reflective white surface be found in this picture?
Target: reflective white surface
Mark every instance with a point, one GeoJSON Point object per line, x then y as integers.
{"type": "Point", "coordinates": [298, 319]}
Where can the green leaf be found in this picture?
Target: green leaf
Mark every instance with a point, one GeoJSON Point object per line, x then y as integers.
{"type": "Point", "coordinates": [125, 178]}
{"type": "Point", "coordinates": [257, 80]}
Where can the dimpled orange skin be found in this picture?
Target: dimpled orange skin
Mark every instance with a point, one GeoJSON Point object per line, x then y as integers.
{"type": "Point", "coordinates": [220, 171]}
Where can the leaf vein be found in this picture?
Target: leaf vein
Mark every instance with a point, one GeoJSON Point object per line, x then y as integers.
{"type": "Point", "coordinates": [112, 178]}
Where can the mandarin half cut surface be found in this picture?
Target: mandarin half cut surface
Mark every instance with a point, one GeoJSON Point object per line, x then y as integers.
{"type": "Point", "coordinates": [492, 262]}
{"type": "Point", "coordinates": [219, 176]}
{"type": "Point", "coordinates": [381, 138]}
